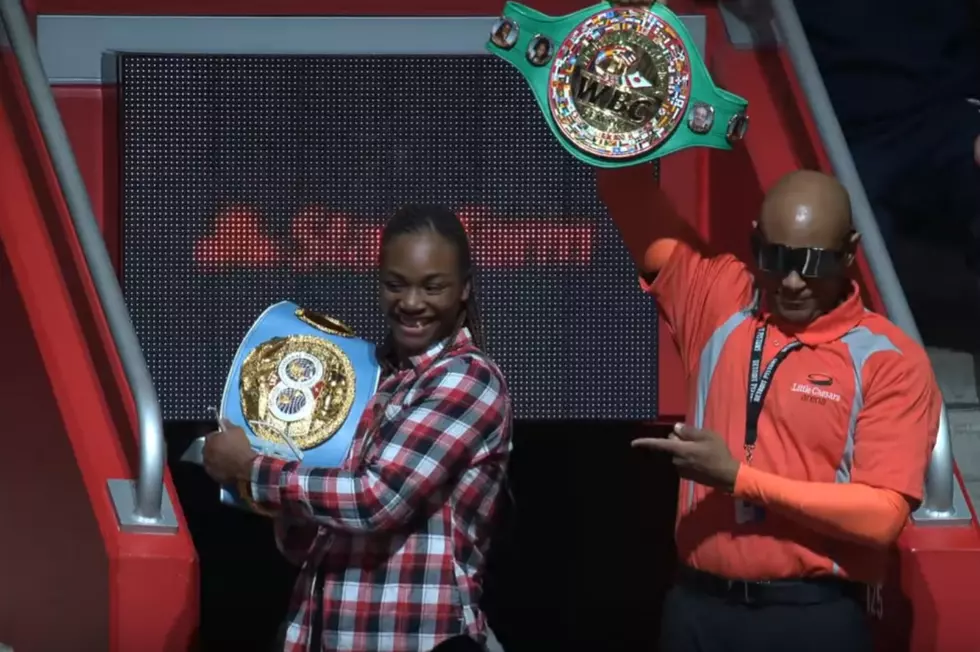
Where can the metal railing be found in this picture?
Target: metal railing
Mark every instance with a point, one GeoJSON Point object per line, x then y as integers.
{"type": "Point", "coordinates": [944, 501]}
{"type": "Point", "coordinates": [145, 507]}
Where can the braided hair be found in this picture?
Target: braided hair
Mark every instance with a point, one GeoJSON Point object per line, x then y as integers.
{"type": "Point", "coordinates": [434, 218]}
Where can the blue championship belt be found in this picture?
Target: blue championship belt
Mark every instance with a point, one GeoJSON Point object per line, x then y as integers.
{"type": "Point", "coordinates": [298, 386]}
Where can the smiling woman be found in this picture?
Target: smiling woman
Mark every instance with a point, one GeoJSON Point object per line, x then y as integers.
{"type": "Point", "coordinates": [403, 526]}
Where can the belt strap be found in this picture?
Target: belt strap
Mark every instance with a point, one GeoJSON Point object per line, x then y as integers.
{"type": "Point", "coordinates": [800, 591]}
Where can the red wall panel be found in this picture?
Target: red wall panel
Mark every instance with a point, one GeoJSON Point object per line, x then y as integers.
{"type": "Point", "coordinates": [302, 7]}
{"type": "Point", "coordinates": [54, 592]}
{"type": "Point", "coordinates": [90, 116]}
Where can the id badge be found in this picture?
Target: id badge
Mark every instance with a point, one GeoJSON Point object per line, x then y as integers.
{"type": "Point", "coordinates": [746, 512]}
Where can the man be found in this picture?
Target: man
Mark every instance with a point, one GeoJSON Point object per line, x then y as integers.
{"type": "Point", "coordinates": [811, 420]}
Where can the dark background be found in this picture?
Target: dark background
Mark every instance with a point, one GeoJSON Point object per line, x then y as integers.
{"type": "Point", "coordinates": [580, 564]}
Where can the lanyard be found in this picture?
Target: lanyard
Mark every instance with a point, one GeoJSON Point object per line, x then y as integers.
{"type": "Point", "coordinates": [759, 384]}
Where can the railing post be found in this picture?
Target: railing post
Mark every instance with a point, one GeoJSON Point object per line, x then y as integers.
{"type": "Point", "coordinates": [944, 501]}
{"type": "Point", "coordinates": [142, 506]}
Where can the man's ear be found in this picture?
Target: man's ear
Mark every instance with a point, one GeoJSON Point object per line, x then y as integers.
{"type": "Point", "coordinates": [852, 245]}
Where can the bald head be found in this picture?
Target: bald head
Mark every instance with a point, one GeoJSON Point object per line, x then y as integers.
{"type": "Point", "coordinates": [807, 209]}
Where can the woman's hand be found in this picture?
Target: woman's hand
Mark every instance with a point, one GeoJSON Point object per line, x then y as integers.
{"type": "Point", "coordinates": [228, 456]}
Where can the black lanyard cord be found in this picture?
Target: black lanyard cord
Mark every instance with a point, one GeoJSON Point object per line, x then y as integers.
{"type": "Point", "coordinates": [759, 383]}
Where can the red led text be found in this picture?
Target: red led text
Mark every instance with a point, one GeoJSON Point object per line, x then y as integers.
{"type": "Point", "coordinates": [320, 239]}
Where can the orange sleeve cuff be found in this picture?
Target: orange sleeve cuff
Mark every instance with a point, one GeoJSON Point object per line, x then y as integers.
{"type": "Point", "coordinates": [851, 511]}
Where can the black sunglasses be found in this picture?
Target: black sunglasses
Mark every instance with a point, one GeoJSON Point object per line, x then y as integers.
{"type": "Point", "coordinates": [808, 262]}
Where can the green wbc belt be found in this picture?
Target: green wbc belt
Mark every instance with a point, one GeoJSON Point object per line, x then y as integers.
{"type": "Point", "coordinates": [618, 85]}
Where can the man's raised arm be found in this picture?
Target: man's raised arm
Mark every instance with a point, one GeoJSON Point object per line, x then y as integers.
{"type": "Point", "coordinates": [647, 220]}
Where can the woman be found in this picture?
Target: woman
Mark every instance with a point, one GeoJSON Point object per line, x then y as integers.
{"type": "Point", "coordinates": [392, 544]}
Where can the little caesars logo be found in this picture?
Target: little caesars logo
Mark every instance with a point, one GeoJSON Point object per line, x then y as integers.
{"type": "Point", "coordinates": [620, 83]}
{"type": "Point", "coordinates": [814, 392]}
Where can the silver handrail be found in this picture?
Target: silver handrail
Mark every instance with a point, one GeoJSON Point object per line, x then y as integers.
{"type": "Point", "coordinates": [944, 501]}
{"type": "Point", "coordinates": [146, 508]}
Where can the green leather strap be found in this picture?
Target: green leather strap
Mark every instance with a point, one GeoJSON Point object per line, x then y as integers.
{"type": "Point", "coordinates": [531, 25]}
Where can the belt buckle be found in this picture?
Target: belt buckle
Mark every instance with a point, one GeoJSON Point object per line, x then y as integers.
{"type": "Point", "coordinates": [746, 594]}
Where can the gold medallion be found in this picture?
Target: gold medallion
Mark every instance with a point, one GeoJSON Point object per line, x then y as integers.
{"type": "Point", "coordinates": [620, 83]}
{"type": "Point", "coordinates": [299, 385]}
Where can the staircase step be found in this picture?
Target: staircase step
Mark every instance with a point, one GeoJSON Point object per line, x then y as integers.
{"type": "Point", "coordinates": [964, 430]}
{"type": "Point", "coordinates": [956, 373]}
{"type": "Point", "coordinates": [964, 426]}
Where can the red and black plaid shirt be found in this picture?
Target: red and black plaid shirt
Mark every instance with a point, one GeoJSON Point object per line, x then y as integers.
{"type": "Point", "coordinates": [399, 532]}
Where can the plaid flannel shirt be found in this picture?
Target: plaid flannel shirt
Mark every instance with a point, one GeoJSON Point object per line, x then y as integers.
{"type": "Point", "coordinates": [399, 532]}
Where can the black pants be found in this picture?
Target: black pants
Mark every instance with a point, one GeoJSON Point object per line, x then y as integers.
{"type": "Point", "coordinates": [459, 644]}
{"type": "Point", "coordinates": [696, 621]}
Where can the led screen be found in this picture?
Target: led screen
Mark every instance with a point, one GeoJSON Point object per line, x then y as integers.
{"type": "Point", "coordinates": [251, 180]}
